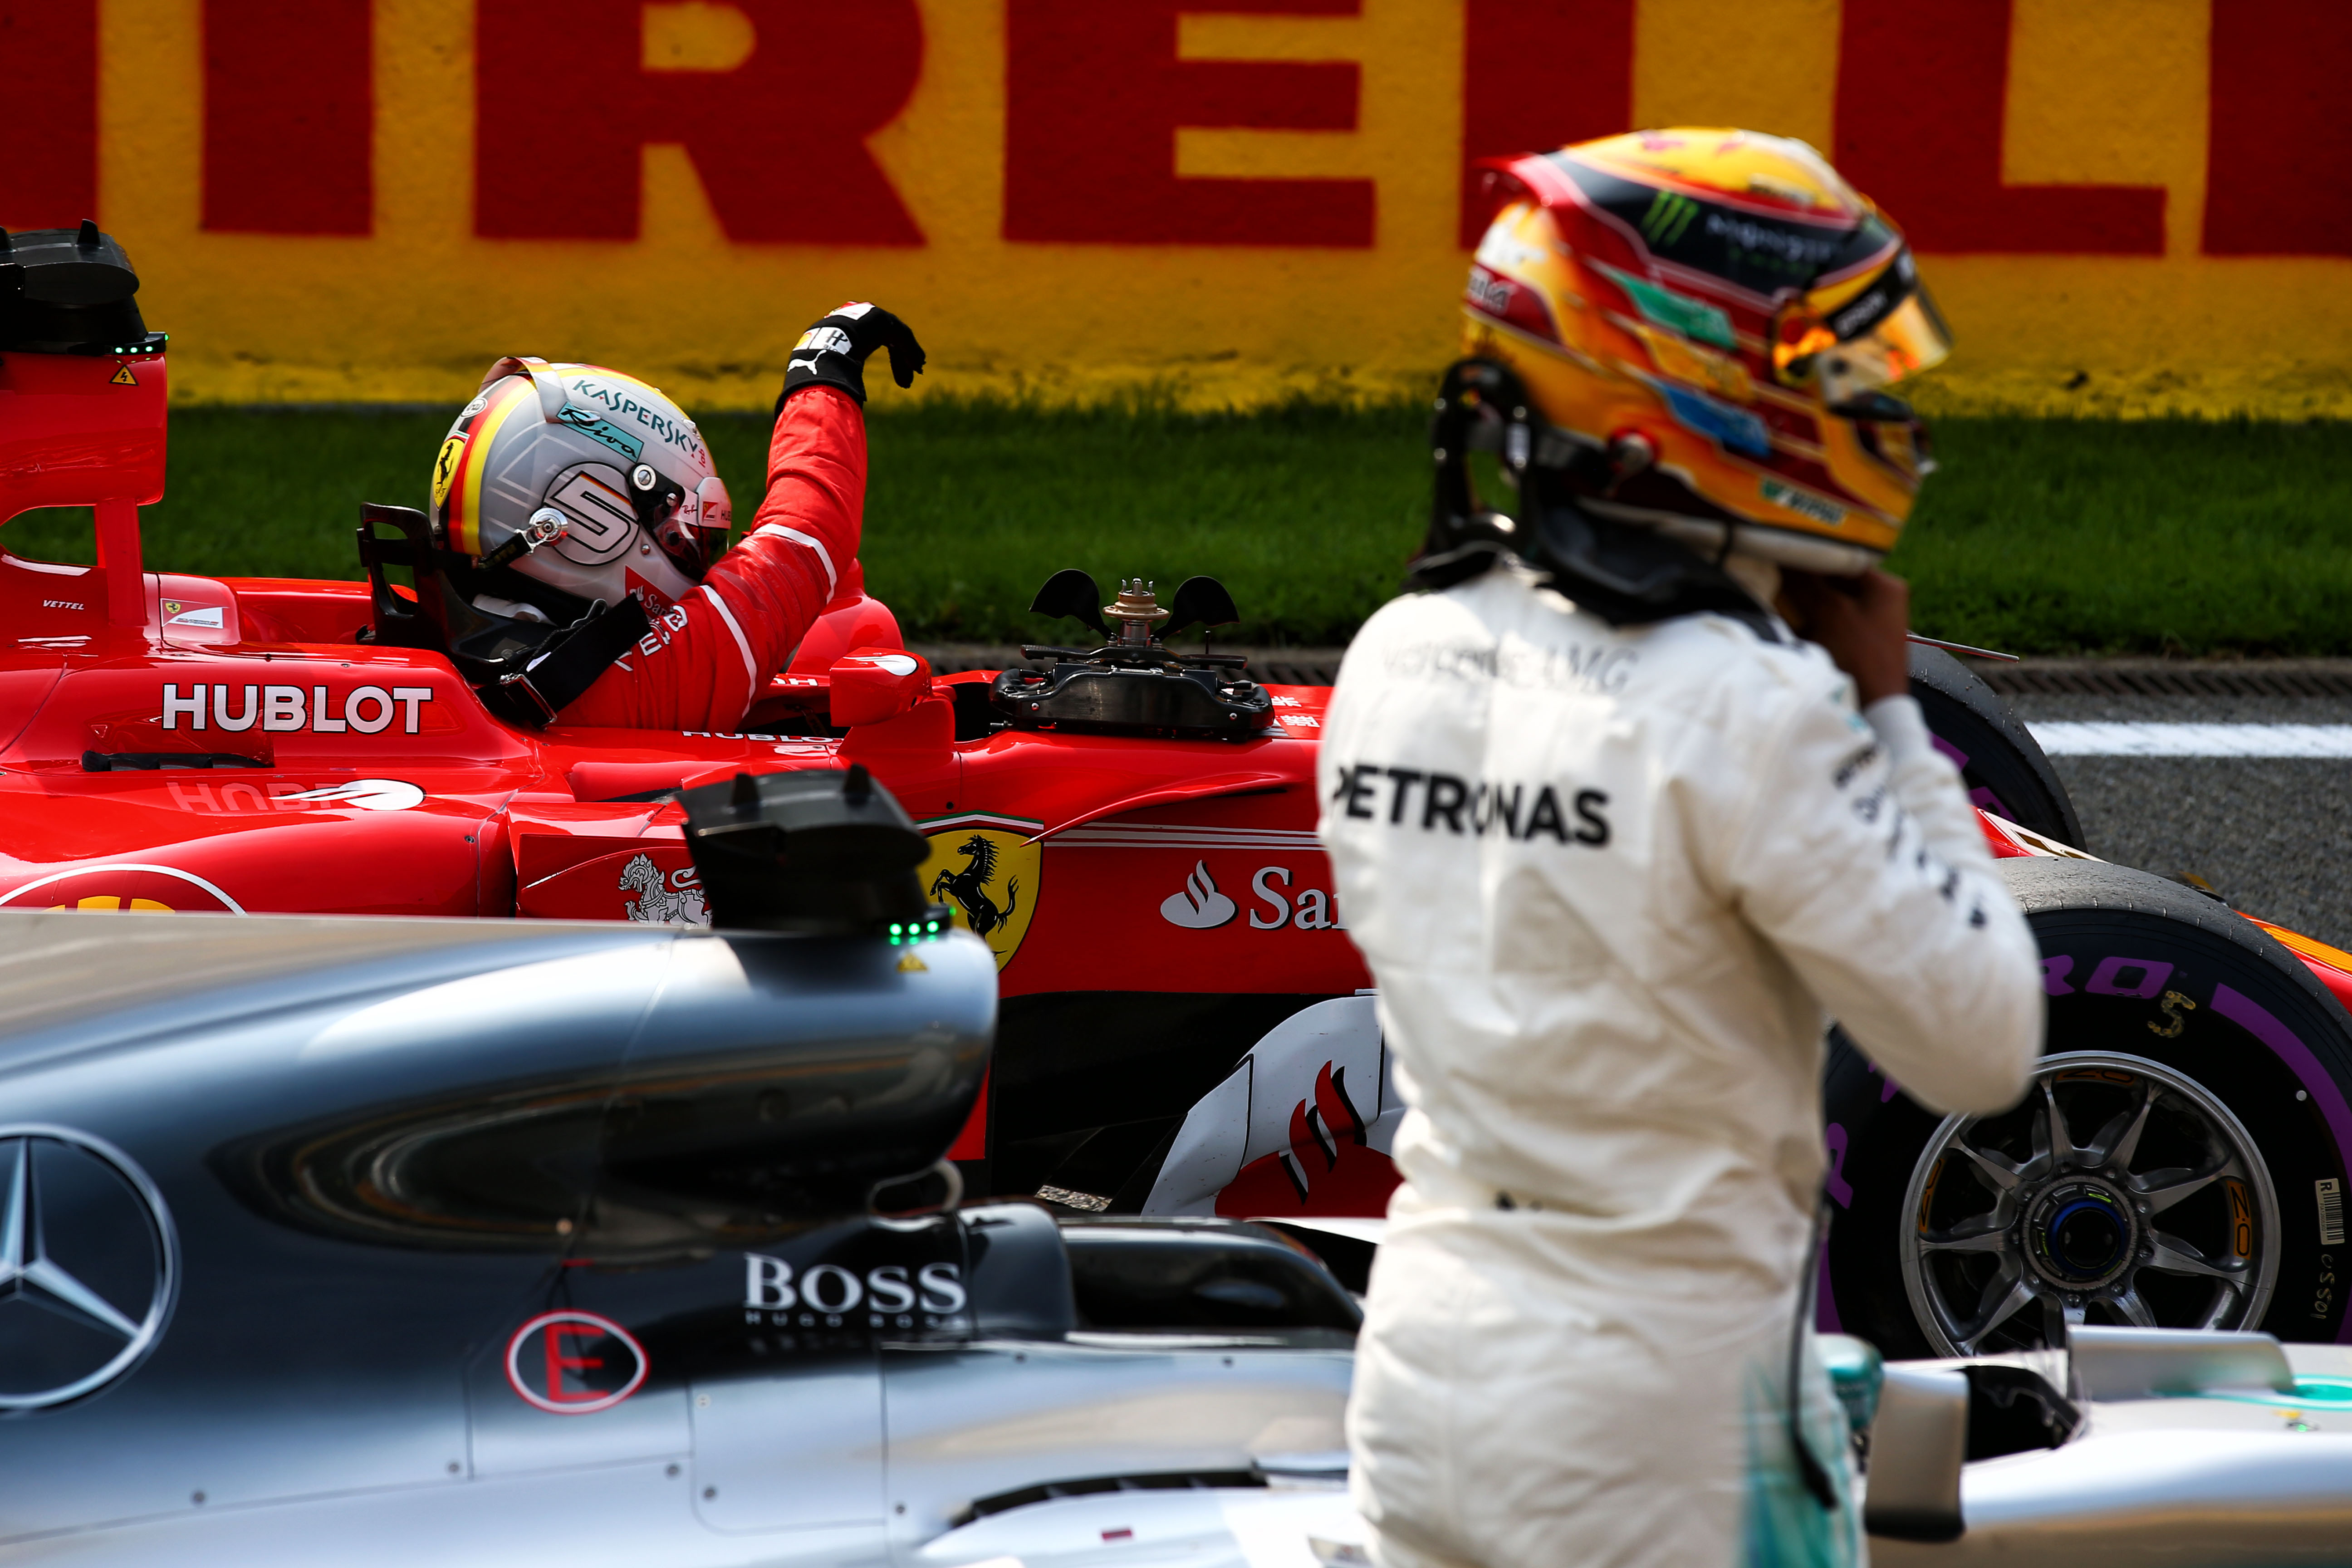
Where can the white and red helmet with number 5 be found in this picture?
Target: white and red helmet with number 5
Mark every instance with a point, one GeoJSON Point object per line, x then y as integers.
{"type": "Point", "coordinates": [642, 510]}
{"type": "Point", "coordinates": [1708, 322]}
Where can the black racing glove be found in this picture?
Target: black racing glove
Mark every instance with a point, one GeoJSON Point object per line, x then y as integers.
{"type": "Point", "coordinates": [833, 352]}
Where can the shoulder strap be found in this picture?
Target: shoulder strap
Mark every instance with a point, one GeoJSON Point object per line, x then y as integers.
{"type": "Point", "coordinates": [532, 695]}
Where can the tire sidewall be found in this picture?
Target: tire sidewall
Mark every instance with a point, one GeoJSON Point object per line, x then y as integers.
{"type": "Point", "coordinates": [2001, 765]}
{"type": "Point", "coordinates": [2261, 1031]}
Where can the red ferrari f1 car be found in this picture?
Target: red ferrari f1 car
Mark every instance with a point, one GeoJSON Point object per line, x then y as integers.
{"type": "Point", "coordinates": [1185, 1025]}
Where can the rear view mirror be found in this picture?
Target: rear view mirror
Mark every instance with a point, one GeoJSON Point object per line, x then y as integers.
{"type": "Point", "coordinates": [872, 684]}
{"type": "Point", "coordinates": [2116, 1363]}
{"type": "Point", "coordinates": [1917, 1443]}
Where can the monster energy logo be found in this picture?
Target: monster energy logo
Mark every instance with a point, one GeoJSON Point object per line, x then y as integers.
{"type": "Point", "coordinates": [1669, 215]}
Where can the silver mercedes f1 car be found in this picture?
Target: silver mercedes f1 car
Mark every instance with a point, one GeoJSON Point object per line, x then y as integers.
{"type": "Point", "coordinates": [407, 1241]}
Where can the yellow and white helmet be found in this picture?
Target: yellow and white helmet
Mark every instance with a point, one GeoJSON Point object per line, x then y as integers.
{"type": "Point", "coordinates": [1706, 323]}
{"type": "Point", "coordinates": [583, 478]}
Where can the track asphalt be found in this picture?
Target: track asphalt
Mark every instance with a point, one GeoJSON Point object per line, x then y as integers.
{"type": "Point", "coordinates": [2272, 834]}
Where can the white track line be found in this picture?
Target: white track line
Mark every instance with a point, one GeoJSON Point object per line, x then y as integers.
{"type": "Point", "coordinates": [2121, 740]}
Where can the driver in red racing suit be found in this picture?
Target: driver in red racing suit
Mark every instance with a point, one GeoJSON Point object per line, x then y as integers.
{"type": "Point", "coordinates": [710, 653]}
{"type": "Point", "coordinates": [602, 490]}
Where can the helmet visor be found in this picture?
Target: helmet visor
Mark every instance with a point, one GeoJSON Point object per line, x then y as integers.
{"type": "Point", "coordinates": [1867, 341]}
{"type": "Point", "coordinates": [1907, 340]}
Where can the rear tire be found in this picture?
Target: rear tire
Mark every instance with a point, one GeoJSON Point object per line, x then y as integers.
{"type": "Point", "coordinates": [2001, 765]}
{"type": "Point", "coordinates": [2166, 987]}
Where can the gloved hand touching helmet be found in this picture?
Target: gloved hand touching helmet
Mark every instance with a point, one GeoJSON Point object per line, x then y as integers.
{"type": "Point", "coordinates": [1862, 621]}
{"type": "Point", "coordinates": [833, 351]}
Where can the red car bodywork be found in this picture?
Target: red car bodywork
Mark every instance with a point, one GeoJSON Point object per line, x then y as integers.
{"type": "Point", "coordinates": [346, 777]}
{"type": "Point", "coordinates": [1157, 905]}
{"type": "Point", "coordinates": [421, 803]}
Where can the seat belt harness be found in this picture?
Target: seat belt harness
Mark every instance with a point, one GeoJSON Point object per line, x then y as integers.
{"type": "Point", "coordinates": [531, 697]}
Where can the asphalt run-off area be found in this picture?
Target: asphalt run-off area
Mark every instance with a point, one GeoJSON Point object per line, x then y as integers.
{"type": "Point", "coordinates": [2249, 789]}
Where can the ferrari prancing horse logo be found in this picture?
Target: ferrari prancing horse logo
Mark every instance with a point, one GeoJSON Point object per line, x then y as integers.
{"type": "Point", "coordinates": [985, 867]}
{"type": "Point", "coordinates": [445, 467]}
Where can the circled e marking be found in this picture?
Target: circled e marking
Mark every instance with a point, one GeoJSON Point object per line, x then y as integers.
{"type": "Point", "coordinates": [575, 1364]}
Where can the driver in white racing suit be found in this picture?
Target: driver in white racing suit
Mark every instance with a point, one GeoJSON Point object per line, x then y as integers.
{"type": "Point", "coordinates": [1617, 845]}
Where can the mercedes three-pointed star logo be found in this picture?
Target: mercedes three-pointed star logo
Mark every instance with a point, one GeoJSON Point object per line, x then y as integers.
{"type": "Point", "coordinates": [89, 1264]}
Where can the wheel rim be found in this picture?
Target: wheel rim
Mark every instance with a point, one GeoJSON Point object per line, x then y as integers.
{"type": "Point", "coordinates": [2119, 1191]}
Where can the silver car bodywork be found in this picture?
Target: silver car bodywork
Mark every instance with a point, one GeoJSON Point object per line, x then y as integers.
{"type": "Point", "coordinates": [461, 1242]}
{"type": "Point", "coordinates": [2191, 1450]}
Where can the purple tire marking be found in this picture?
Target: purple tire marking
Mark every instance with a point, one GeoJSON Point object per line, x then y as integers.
{"type": "Point", "coordinates": [2055, 970]}
{"type": "Point", "coordinates": [2152, 976]}
{"type": "Point", "coordinates": [1979, 797]}
{"type": "Point", "coordinates": [1825, 1312]}
{"type": "Point", "coordinates": [1834, 1138]}
{"type": "Point", "coordinates": [2253, 1018]}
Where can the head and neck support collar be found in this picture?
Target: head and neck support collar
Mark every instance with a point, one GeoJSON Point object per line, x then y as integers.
{"type": "Point", "coordinates": [1626, 573]}
{"type": "Point", "coordinates": [524, 672]}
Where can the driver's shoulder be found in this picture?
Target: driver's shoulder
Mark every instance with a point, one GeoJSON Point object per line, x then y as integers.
{"type": "Point", "coordinates": [1723, 676]}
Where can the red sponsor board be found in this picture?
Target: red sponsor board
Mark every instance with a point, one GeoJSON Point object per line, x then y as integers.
{"type": "Point", "coordinates": [1236, 198]}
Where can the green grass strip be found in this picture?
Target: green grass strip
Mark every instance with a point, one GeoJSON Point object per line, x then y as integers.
{"type": "Point", "coordinates": [2037, 536]}
{"type": "Point", "coordinates": [2175, 536]}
